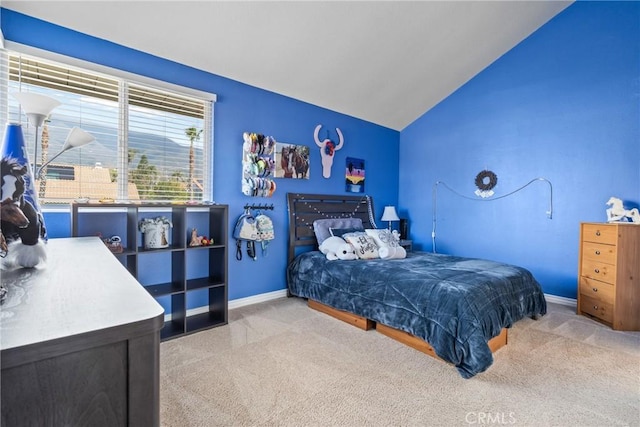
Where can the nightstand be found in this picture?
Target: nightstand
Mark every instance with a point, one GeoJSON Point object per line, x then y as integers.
{"type": "Point", "coordinates": [407, 245]}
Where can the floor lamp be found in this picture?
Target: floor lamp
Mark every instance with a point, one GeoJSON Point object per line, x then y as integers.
{"type": "Point", "coordinates": [76, 138]}
{"type": "Point", "coordinates": [36, 107]}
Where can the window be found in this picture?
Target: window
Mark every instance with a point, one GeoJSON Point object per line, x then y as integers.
{"type": "Point", "coordinates": [152, 143]}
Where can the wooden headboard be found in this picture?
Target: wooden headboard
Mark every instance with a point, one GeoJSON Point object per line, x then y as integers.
{"type": "Point", "coordinates": [306, 208]}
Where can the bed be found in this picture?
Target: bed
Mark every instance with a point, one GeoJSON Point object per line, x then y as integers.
{"type": "Point", "coordinates": [457, 309]}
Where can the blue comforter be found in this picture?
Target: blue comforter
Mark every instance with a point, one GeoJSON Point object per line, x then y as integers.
{"type": "Point", "coordinates": [455, 304]}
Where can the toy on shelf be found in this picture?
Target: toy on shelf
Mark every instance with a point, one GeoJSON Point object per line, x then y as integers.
{"type": "Point", "coordinates": [156, 232]}
{"type": "Point", "coordinates": [114, 243]}
{"type": "Point", "coordinates": [200, 240]}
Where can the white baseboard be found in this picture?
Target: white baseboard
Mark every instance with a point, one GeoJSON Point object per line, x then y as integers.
{"type": "Point", "coordinates": [255, 299]}
{"type": "Point", "coordinates": [561, 300]}
{"type": "Point", "coordinates": [237, 303]}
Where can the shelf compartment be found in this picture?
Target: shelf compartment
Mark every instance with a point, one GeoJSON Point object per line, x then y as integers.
{"type": "Point", "coordinates": [205, 247]}
{"type": "Point", "coordinates": [177, 325]}
{"type": "Point", "coordinates": [198, 219]}
{"type": "Point", "coordinates": [161, 267]}
{"type": "Point", "coordinates": [203, 282]}
{"type": "Point", "coordinates": [173, 214]}
{"type": "Point", "coordinates": [205, 267]}
{"type": "Point", "coordinates": [125, 252]}
{"type": "Point", "coordinates": [169, 248]}
{"type": "Point", "coordinates": [171, 329]}
{"type": "Point", "coordinates": [162, 289]}
{"type": "Point", "coordinates": [218, 265]}
{"type": "Point", "coordinates": [217, 313]}
{"type": "Point", "coordinates": [203, 321]}
{"type": "Point", "coordinates": [105, 224]}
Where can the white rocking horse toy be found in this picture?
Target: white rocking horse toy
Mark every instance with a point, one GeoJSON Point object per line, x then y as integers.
{"type": "Point", "coordinates": [617, 213]}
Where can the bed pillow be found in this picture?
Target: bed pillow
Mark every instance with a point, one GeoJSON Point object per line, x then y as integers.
{"type": "Point", "coordinates": [365, 246]}
{"type": "Point", "coordinates": [392, 252]}
{"type": "Point", "coordinates": [388, 243]}
{"type": "Point", "coordinates": [383, 237]}
{"type": "Point", "coordinates": [321, 226]}
{"type": "Point", "coordinates": [339, 232]}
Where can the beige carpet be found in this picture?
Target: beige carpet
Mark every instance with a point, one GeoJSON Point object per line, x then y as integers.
{"type": "Point", "coordinates": [281, 363]}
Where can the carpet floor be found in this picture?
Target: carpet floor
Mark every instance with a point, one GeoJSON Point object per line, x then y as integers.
{"type": "Point", "coordinates": [280, 363]}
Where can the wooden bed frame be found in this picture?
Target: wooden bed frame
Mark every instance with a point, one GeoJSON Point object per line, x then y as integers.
{"type": "Point", "coordinates": [406, 338]}
{"type": "Point", "coordinates": [306, 208]}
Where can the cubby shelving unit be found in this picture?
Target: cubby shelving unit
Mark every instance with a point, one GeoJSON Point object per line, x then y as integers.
{"type": "Point", "coordinates": [173, 274]}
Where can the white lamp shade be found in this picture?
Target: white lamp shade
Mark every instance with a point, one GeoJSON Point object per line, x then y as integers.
{"type": "Point", "coordinates": [77, 138]}
{"type": "Point", "coordinates": [37, 107]}
{"type": "Point", "coordinates": [390, 214]}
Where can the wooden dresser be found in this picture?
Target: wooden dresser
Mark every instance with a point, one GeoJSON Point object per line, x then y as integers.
{"type": "Point", "coordinates": [80, 342]}
{"type": "Point", "coordinates": [609, 274]}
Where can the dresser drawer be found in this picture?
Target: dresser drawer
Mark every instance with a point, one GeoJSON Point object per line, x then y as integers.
{"type": "Point", "coordinates": [599, 271]}
{"type": "Point", "coordinates": [600, 233]}
{"type": "Point", "coordinates": [599, 252]}
{"type": "Point", "coordinates": [597, 290]}
{"type": "Point", "coordinates": [596, 308]}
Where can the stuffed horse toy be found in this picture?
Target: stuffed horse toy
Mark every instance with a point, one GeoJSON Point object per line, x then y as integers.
{"type": "Point", "coordinates": [21, 223]}
{"type": "Point", "coordinates": [617, 212]}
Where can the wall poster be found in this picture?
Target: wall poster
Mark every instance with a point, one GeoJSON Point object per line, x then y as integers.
{"type": "Point", "coordinates": [355, 175]}
{"type": "Point", "coordinates": [292, 161]}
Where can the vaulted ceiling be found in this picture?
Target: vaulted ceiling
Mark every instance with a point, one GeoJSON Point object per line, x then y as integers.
{"type": "Point", "coordinates": [384, 62]}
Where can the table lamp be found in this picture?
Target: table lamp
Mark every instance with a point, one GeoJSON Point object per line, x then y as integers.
{"type": "Point", "coordinates": [389, 215]}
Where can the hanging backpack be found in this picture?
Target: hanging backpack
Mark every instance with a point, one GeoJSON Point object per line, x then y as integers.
{"type": "Point", "coordinates": [264, 226]}
{"type": "Point", "coordinates": [246, 230]}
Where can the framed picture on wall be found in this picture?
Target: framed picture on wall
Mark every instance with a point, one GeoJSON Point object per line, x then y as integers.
{"type": "Point", "coordinates": [292, 161]}
{"type": "Point", "coordinates": [354, 175]}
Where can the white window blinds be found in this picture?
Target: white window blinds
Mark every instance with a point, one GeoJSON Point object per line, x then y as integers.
{"type": "Point", "coordinates": [151, 144]}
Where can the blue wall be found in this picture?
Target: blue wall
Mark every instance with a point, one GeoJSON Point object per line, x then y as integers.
{"type": "Point", "coordinates": [239, 108]}
{"type": "Point", "coordinates": [564, 105]}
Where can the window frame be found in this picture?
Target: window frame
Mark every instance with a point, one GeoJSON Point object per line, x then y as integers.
{"type": "Point", "coordinates": [128, 78]}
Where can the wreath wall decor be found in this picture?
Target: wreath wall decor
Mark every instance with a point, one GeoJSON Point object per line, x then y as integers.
{"type": "Point", "coordinates": [485, 181]}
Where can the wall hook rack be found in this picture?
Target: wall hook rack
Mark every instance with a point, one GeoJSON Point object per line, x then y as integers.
{"type": "Point", "coordinates": [259, 206]}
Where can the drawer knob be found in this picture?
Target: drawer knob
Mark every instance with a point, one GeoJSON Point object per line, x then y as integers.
{"type": "Point", "coordinates": [597, 252]}
{"type": "Point", "coordinates": [598, 233]}
{"type": "Point", "coordinates": [594, 289]}
{"type": "Point", "coordinates": [597, 270]}
{"type": "Point", "coordinates": [595, 307]}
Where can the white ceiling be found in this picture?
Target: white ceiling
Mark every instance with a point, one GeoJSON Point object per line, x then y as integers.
{"type": "Point", "coordinates": [384, 62]}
